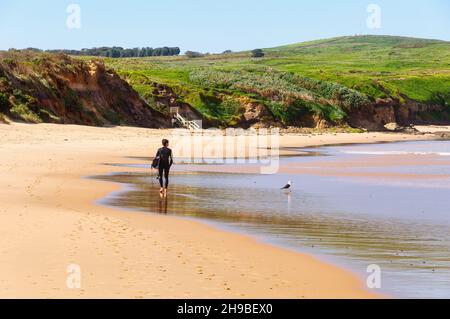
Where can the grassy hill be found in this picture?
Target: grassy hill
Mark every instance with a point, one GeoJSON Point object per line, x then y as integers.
{"type": "Point", "coordinates": [334, 81]}
{"type": "Point", "coordinates": [375, 65]}
{"type": "Point", "coordinates": [360, 81]}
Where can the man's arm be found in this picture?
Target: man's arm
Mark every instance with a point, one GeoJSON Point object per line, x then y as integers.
{"type": "Point", "coordinates": [171, 158]}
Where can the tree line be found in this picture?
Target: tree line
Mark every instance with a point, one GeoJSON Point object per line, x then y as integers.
{"type": "Point", "coordinates": [119, 52]}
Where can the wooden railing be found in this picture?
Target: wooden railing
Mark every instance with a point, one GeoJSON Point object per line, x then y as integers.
{"type": "Point", "coordinates": [192, 125]}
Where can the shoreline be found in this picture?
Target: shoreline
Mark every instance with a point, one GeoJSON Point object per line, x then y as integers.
{"type": "Point", "coordinates": [134, 185]}
{"type": "Point", "coordinates": [49, 220]}
{"type": "Point", "coordinates": [218, 226]}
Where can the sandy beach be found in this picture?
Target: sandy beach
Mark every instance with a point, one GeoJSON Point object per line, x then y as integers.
{"type": "Point", "coordinates": [49, 220]}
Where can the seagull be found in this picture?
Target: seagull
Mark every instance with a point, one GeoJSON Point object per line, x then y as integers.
{"type": "Point", "coordinates": [287, 186]}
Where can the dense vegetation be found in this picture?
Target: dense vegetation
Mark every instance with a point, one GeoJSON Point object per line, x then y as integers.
{"type": "Point", "coordinates": [287, 95]}
{"type": "Point", "coordinates": [194, 54]}
{"type": "Point", "coordinates": [257, 53]}
{"type": "Point", "coordinates": [326, 78]}
{"type": "Point", "coordinates": [118, 52]}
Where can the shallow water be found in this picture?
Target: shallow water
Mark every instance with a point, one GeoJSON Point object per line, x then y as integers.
{"type": "Point", "coordinates": [384, 204]}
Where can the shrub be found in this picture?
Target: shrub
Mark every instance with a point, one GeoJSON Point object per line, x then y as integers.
{"type": "Point", "coordinates": [287, 95]}
{"type": "Point", "coordinates": [112, 117]}
{"type": "Point", "coordinates": [48, 116]}
{"type": "Point", "coordinates": [4, 103]}
{"type": "Point", "coordinates": [440, 98]}
{"type": "Point", "coordinates": [21, 111]}
{"type": "Point", "coordinates": [193, 54]}
{"type": "Point", "coordinates": [72, 102]}
{"type": "Point", "coordinates": [279, 86]}
{"type": "Point", "coordinates": [257, 53]}
{"type": "Point", "coordinates": [23, 98]}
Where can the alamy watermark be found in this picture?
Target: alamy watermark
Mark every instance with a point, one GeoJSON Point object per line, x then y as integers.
{"type": "Point", "coordinates": [73, 20]}
{"type": "Point", "coordinates": [73, 280]}
{"type": "Point", "coordinates": [230, 146]}
{"type": "Point", "coordinates": [374, 19]}
{"type": "Point", "coordinates": [374, 279]}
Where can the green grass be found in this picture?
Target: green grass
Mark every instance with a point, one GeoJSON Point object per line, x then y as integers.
{"type": "Point", "coordinates": [372, 64]}
{"type": "Point", "coordinates": [326, 77]}
{"type": "Point", "coordinates": [22, 112]}
{"type": "Point", "coordinates": [4, 103]}
{"type": "Point", "coordinates": [21, 109]}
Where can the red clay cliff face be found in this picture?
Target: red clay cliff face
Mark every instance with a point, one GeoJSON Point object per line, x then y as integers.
{"type": "Point", "coordinates": [384, 111]}
{"type": "Point", "coordinates": [61, 89]}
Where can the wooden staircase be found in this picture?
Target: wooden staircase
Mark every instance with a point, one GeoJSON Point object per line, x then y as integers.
{"type": "Point", "coordinates": [192, 125]}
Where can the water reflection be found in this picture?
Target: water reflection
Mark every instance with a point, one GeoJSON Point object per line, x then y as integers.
{"type": "Point", "coordinates": [405, 230]}
{"type": "Point", "coordinates": [306, 221]}
{"type": "Point", "coordinates": [162, 205]}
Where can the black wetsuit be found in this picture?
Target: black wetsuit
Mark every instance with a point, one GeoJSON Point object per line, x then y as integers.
{"type": "Point", "coordinates": [165, 162]}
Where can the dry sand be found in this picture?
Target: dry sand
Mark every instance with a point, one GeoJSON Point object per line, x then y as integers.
{"type": "Point", "coordinates": [48, 220]}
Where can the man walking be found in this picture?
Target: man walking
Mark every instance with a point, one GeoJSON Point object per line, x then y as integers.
{"type": "Point", "coordinates": [165, 161]}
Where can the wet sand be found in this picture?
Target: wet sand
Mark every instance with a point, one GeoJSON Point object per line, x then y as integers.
{"type": "Point", "coordinates": [49, 219]}
{"type": "Point", "coordinates": [343, 168]}
{"type": "Point", "coordinates": [355, 205]}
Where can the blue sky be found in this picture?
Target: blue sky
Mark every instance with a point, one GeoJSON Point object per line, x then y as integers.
{"type": "Point", "coordinates": [211, 26]}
